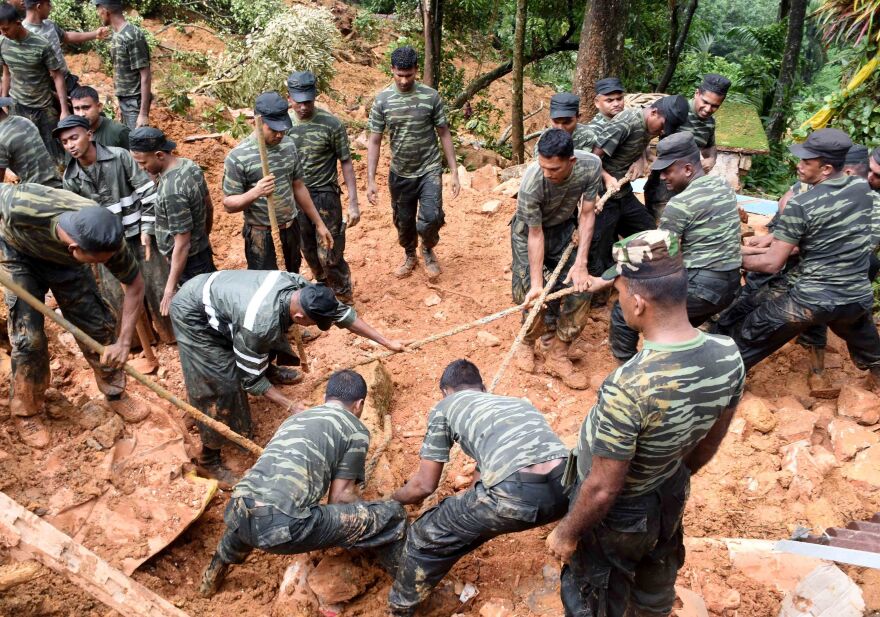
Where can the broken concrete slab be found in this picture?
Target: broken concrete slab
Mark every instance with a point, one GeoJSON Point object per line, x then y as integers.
{"type": "Point", "coordinates": [795, 424]}
{"type": "Point", "coordinates": [865, 468]}
{"type": "Point", "coordinates": [859, 404]}
{"type": "Point", "coordinates": [824, 592]}
{"type": "Point", "coordinates": [509, 188]}
{"type": "Point", "coordinates": [692, 604]}
{"type": "Point", "coordinates": [848, 438]}
{"type": "Point", "coordinates": [490, 207]}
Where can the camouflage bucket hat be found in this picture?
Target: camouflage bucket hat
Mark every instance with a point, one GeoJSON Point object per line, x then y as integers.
{"type": "Point", "coordinates": [646, 255]}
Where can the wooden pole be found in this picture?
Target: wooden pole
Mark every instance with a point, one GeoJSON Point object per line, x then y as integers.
{"type": "Point", "coordinates": [85, 339]}
{"type": "Point", "coordinates": [143, 332]}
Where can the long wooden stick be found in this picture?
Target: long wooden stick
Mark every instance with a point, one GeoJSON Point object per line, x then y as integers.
{"type": "Point", "coordinates": [143, 332]}
{"type": "Point", "coordinates": [88, 341]}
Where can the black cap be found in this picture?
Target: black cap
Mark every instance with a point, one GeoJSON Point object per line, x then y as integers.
{"type": "Point", "coordinates": [274, 111]}
{"type": "Point", "coordinates": [674, 148]}
{"type": "Point", "coordinates": [94, 229]}
{"type": "Point", "coordinates": [113, 3]}
{"type": "Point", "coordinates": [6, 101]}
{"type": "Point", "coordinates": [857, 155]}
{"type": "Point", "coordinates": [609, 85]}
{"type": "Point", "coordinates": [149, 139]}
{"type": "Point", "coordinates": [832, 144]}
{"type": "Point", "coordinates": [876, 155]}
{"type": "Point", "coordinates": [675, 110]}
{"type": "Point", "coordinates": [319, 303]}
{"type": "Point", "coordinates": [564, 105]}
{"type": "Point", "coordinates": [713, 82]}
{"type": "Point", "coordinates": [71, 122]}
{"type": "Point", "coordinates": [301, 86]}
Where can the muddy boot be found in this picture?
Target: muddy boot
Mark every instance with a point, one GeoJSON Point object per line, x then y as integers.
{"type": "Point", "coordinates": [557, 364]}
{"type": "Point", "coordinates": [130, 408]}
{"type": "Point", "coordinates": [432, 266]}
{"type": "Point", "coordinates": [32, 431]}
{"type": "Point", "coordinates": [211, 466]}
{"type": "Point", "coordinates": [579, 349]}
{"type": "Point", "coordinates": [524, 357]}
{"type": "Point", "coordinates": [308, 335]}
{"type": "Point", "coordinates": [408, 265]}
{"type": "Point", "coordinates": [213, 576]}
{"type": "Point", "coordinates": [820, 385]}
{"type": "Point", "coordinates": [283, 376]}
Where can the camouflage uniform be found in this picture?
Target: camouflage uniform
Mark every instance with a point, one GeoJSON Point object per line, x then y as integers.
{"type": "Point", "coordinates": [242, 171]}
{"type": "Point", "coordinates": [23, 151]}
{"type": "Point", "coordinates": [111, 133]}
{"type": "Point", "coordinates": [598, 124]}
{"type": "Point", "coordinates": [651, 411]}
{"type": "Point", "coordinates": [415, 179]}
{"type": "Point", "coordinates": [130, 53]}
{"type": "Point", "coordinates": [320, 142]}
{"type": "Point", "coordinates": [36, 259]}
{"type": "Point", "coordinates": [583, 137]}
{"type": "Point", "coordinates": [705, 218]}
{"type": "Point", "coordinates": [503, 435]}
{"type": "Point", "coordinates": [229, 326]}
{"type": "Point", "coordinates": [53, 33]}
{"type": "Point", "coordinates": [554, 207]}
{"type": "Point", "coordinates": [116, 182]}
{"type": "Point", "coordinates": [276, 506]}
{"type": "Point", "coordinates": [29, 62]}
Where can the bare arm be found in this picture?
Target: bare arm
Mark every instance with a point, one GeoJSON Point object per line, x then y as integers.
{"type": "Point", "coordinates": [784, 199]}
{"type": "Point", "coordinates": [209, 214]}
{"type": "Point", "coordinates": [61, 91]}
{"type": "Point", "coordinates": [708, 446]}
{"type": "Point", "coordinates": [354, 211]}
{"type": "Point", "coordinates": [422, 484]}
{"type": "Point", "coordinates": [146, 96]}
{"type": "Point", "coordinates": [264, 187]}
{"type": "Point", "coordinates": [4, 83]}
{"type": "Point", "coordinates": [75, 38]}
{"type": "Point", "coordinates": [374, 146]}
{"type": "Point", "coordinates": [304, 200]}
{"type": "Point", "coordinates": [449, 152]}
{"type": "Point", "coordinates": [276, 396]}
{"type": "Point", "coordinates": [578, 274]}
{"type": "Point", "coordinates": [342, 491]}
{"type": "Point", "coordinates": [770, 261]}
{"type": "Point", "coordinates": [116, 355]}
{"type": "Point", "coordinates": [536, 263]}
{"type": "Point", "coordinates": [710, 157]}
{"type": "Point", "coordinates": [362, 328]}
{"type": "Point", "coordinates": [179, 254]}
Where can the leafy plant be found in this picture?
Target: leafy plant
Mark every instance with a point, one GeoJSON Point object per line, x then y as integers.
{"type": "Point", "coordinates": [849, 21]}
{"type": "Point", "coordinates": [217, 119]}
{"type": "Point", "coordinates": [366, 25]}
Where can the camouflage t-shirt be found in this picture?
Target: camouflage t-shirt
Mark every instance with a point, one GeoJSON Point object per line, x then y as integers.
{"type": "Point", "coordinates": [243, 170]}
{"type": "Point", "coordinates": [180, 207]}
{"type": "Point", "coordinates": [702, 130]}
{"type": "Point", "coordinates": [53, 33]}
{"type": "Point", "coordinates": [111, 133]}
{"type": "Point", "coordinates": [411, 119]}
{"type": "Point", "coordinates": [22, 150]}
{"type": "Point", "coordinates": [655, 408]}
{"type": "Point", "coordinates": [542, 203]}
{"type": "Point", "coordinates": [832, 226]}
{"type": "Point", "coordinates": [623, 140]}
{"type": "Point", "coordinates": [583, 137]}
{"type": "Point", "coordinates": [29, 61]}
{"type": "Point", "coordinates": [28, 219]}
{"type": "Point", "coordinates": [320, 142]}
{"type": "Point", "coordinates": [706, 219]}
{"type": "Point", "coordinates": [598, 124]}
{"type": "Point", "coordinates": [501, 433]}
{"type": "Point", "coordinates": [308, 451]}
{"type": "Point", "coordinates": [130, 53]}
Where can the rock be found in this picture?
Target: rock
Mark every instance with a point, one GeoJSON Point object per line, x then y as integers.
{"type": "Point", "coordinates": [758, 560]}
{"type": "Point", "coordinates": [490, 206]}
{"type": "Point", "coordinates": [464, 177]}
{"type": "Point", "coordinates": [487, 339]}
{"type": "Point", "coordinates": [824, 592]}
{"type": "Point", "coordinates": [824, 459]}
{"type": "Point", "coordinates": [474, 158]}
{"type": "Point", "coordinates": [865, 468]}
{"type": "Point", "coordinates": [859, 404]}
{"type": "Point", "coordinates": [757, 414]}
{"type": "Point", "coordinates": [514, 171]}
{"type": "Point", "coordinates": [795, 424]}
{"type": "Point", "coordinates": [805, 473]}
{"type": "Point", "coordinates": [692, 604]}
{"type": "Point", "coordinates": [337, 579]}
{"type": "Point", "coordinates": [295, 598]}
{"type": "Point", "coordinates": [109, 432]}
{"type": "Point", "coordinates": [93, 414]}
{"type": "Point", "coordinates": [497, 607]}
{"type": "Point", "coordinates": [508, 189]}
{"type": "Point", "coordinates": [720, 599]}
{"type": "Point", "coordinates": [848, 438]}
{"type": "Point", "coordinates": [433, 300]}
{"type": "Point", "coordinates": [788, 402]}
{"type": "Point", "coordinates": [361, 142]}
{"type": "Point", "coordinates": [462, 482]}
{"type": "Point", "coordinates": [485, 178]}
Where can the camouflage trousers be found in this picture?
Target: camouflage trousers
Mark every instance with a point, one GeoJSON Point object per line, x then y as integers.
{"type": "Point", "coordinates": [461, 523]}
{"type": "Point", "coordinates": [76, 292]}
{"type": "Point", "coordinates": [129, 110]}
{"type": "Point", "coordinates": [45, 119]}
{"type": "Point", "coordinates": [360, 525]}
{"type": "Point", "coordinates": [259, 249]}
{"type": "Point", "coordinates": [630, 559]}
{"type": "Point", "coordinates": [417, 209]}
{"type": "Point", "coordinates": [709, 292]}
{"type": "Point", "coordinates": [200, 263]}
{"type": "Point", "coordinates": [328, 267]}
{"type": "Point", "coordinates": [565, 317]}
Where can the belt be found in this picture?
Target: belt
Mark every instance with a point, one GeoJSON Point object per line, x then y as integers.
{"type": "Point", "coordinates": [286, 225]}
{"type": "Point", "coordinates": [535, 478]}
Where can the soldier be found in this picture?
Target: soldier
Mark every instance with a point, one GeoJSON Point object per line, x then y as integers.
{"type": "Point", "coordinates": [321, 140]}
{"type": "Point", "coordinates": [246, 190]}
{"type": "Point", "coordinates": [182, 214]}
{"type": "Point", "coordinates": [517, 483]}
{"type": "Point", "coordinates": [47, 236]}
{"type": "Point", "coordinates": [229, 327]}
{"type": "Point", "coordinates": [111, 177]}
{"type": "Point", "coordinates": [33, 77]}
{"type": "Point", "coordinates": [85, 102]}
{"type": "Point", "coordinates": [704, 216]}
{"type": "Point", "coordinates": [132, 76]}
{"type": "Point", "coordinates": [313, 451]}
{"type": "Point", "coordinates": [412, 112]}
{"type": "Point", "coordinates": [564, 114]}
{"type": "Point", "coordinates": [658, 419]}
{"type": "Point", "coordinates": [23, 151]}
{"type": "Point", "coordinates": [874, 170]}
{"type": "Point", "coordinates": [609, 102]}
{"type": "Point", "coordinates": [546, 220]}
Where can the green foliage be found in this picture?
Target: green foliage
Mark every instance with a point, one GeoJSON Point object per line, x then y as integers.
{"type": "Point", "coordinates": [366, 25]}
{"type": "Point", "coordinates": [850, 21]}
{"type": "Point", "coordinates": [694, 64]}
{"type": "Point", "coordinates": [484, 121]}
{"type": "Point", "coordinates": [179, 102]}
{"type": "Point", "coordinates": [771, 174]}
{"type": "Point", "coordinates": [216, 119]}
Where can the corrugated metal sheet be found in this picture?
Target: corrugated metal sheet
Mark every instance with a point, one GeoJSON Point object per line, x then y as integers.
{"type": "Point", "coordinates": [858, 535]}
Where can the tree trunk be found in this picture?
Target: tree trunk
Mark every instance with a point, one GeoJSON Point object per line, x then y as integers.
{"type": "Point", "coordinates": [516, 113]}
{"type": "Point", "coordinates": [676, 49]}
{"type": "Point", "coordinates": [784, 9]}
{"type": "Point", "coordinates": [432, 29]}
{"type": "Point", "coordinates": [778, 122]}
{"type": "Point", "coordinates": [600, 53]}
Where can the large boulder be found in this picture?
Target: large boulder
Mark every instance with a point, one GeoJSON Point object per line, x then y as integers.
{"type": "Point", "coordinates": [295, 598]}
{"type": "Point", "coordinates": [337, 578]}
{"type": "Point", "coordinates": [859, 404]}
{"type": "Point", "coordinates": [848, 438]}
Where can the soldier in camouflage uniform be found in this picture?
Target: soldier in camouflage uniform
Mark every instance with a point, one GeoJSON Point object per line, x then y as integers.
{"type": "Point", "coordinates": [556, 199]}
{"type": "Point", "coordinates": [246, 190]}
{"type": "Point", "coordinates": [276, 506]}
{"type": "Point", "coordinates": [609, 102]}
{"type": "Point", "coordinates": [412, 112]}
{"type": "Point", "coordinates": [517, 483]}
{"type": "Point", "coordinates": [704, 216]}
{"type": "Point", "coordinates": [230, 325]}
{"type": "Point", "coordinates": [564, 114]}
{"type": "Point", "coordinates": [658, 419]}
{"type": "Point", "coordinates": [321, 140]}
{"type": "Point", "coordinates": [22, 150]}
{"type": "Point", "coordinates": [874, 170]}
{"type": "Point", "coordinates": [132, 75]}
{"type": "Point", "coordinates": [33, 77]}
{"type": "Point", "coordinates": [47, 238]}
{"type": "Point", "coordinates": [85, 102]}
{"type": "Point", "coordinates": [182, 214]}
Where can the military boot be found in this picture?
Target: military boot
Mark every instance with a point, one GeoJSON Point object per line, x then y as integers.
{"type": "Point", "coordinates": [32, 431]}
{"type": "Point", "coordinates": [213, 576]}
{"type": "Point", "coordinates": [131, 409]}
{"type": "Point", "coordinates": [408, 265]}
{"type": "Point", "coordinates": [211, 466]}
{"type": "Point", "coordinates": [820, 385]}
{"type": "Point", "coordinates": [432, 266]}
{"type": "Point", "coordinates": [282, 376]}
{"type": "Point", "coordinates": [557, 364]}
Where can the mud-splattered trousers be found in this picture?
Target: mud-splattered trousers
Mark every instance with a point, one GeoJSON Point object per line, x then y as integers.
{"type": "Point", "coordinates": [328, 267]}
{"type": "Point", "coordinates": [461, 523]}
{"type": "Point", "coordinates": [417, 209]}
{"type": "Point", "coordinates": [632, 557]}
{"type": "Point", "coordinates": [567, 316]}
{"type": "Point", "coordinates": [76, 292]}
{"type": "Point", "coordinates": [259, 249]}
{"type": "Point", "coordinates": [360, 525]}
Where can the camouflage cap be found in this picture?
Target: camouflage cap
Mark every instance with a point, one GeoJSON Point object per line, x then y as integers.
{"type": "Point", "coordinates": [646, 255]}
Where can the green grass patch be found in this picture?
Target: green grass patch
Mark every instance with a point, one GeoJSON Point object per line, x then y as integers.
{"type": "Point", "coordinates": [738, 125]}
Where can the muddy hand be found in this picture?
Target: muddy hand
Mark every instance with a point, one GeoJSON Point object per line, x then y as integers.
{"type": "Point", "coordinates": [145, 242]}
{"type": "Point", "coordinates": [115, 355]}
{"type": "Point", "coordinates": [325, 238]}
{"type": "Point", "coordinates": [560, 546]}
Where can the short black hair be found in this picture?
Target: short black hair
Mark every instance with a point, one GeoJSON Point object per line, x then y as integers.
{"type": "Point", "coordinates": [836, 164]}
{"type": "Point", "coordinates": [876, 155]}
{"type": "Point", "coordinates": [9, 13]}
{"type": "Point", "coordinates": [461, 374]}
{"type": "Point", "coordinates": [556, 142]}
{"type": "Point", "coordinates": [860, 169]}
{"type": "Point", "coordinates": [85, 92]}
{"type": "Point", "coordinates": [669, 290]}
{"type": "Point", "coordinates": [346, 386]}
{"type": "Point", "coordinates": [404, 58]}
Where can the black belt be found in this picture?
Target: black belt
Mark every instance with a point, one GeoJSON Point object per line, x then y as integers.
{"type": "Point", "coordinates": [286, 225]}
{"type": "Point", "coordinates": [537, 478]}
